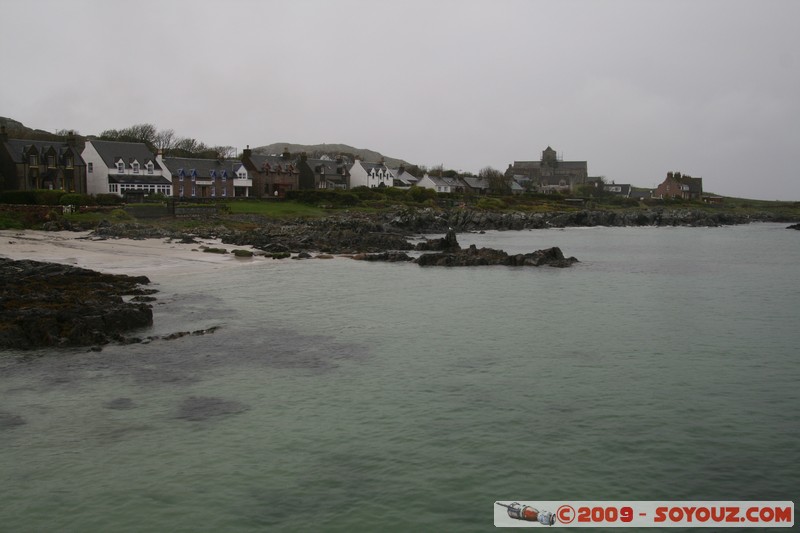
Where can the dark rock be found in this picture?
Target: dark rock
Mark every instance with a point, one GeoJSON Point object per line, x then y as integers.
{"type": "Point", "coordinates": [794, 226]}
{"type": "Point", "coordinates": [390, 257]}
{"type": "Point", "coordinates": [473, 256]}
{"type": "Point", "coordinates": [448, 243]}
{"type": "Point", "coordinates": [242, 253]}
{"type": "Point", "coordinates": [47, 304]}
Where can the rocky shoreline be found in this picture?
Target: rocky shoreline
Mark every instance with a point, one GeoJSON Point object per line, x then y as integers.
{"type": "Point", "coordinates": [357, 233]}
{"type": "Point", "coordinates": [46, 304]}
{"type": "Point", "coordinates": [49, 304]}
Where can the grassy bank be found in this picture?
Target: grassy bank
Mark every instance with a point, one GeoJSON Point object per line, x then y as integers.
{"type": "Point", "coordinates": [248, 213]}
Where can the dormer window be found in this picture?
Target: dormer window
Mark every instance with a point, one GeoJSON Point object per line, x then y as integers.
{"type": "Point", "coordinates": [51, 161]}
{"type": "Point", "coordinates": [33, 160]}
{"type": "Point", "coordinates": [121, 167]}
{"type": "Point", "coordinates": [224, 175]}
{"type": "Point", "coordinates": [149, 167]}
{"type": "Point", "coordinates": [194, 176]}
{"type": "Point", "coordinates": [70, 162]}
{"type": "Point", "coordinates": [135, 166]}
{"type": "Point", "coordinates": [213, 174]}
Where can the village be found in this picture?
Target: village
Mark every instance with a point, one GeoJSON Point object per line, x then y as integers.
{"type": "Point", "coordinates": [136, 171]}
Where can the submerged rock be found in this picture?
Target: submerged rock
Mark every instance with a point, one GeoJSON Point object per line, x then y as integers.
{"type": "Point", "coordinates": [197, 408]}
{"type": "Point", "coordinates": [120, 403]}
{"type": "Point", "coordinates": [9, 420]}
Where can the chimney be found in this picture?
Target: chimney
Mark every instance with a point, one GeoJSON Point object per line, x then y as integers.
{"type": "Point", "coordinates": [71, 139]}
{"type": "Point", "coordinates": [3, 133]}
{"type": "Point", "coordinates": [247, 152]}
{"type": "Point", "coordinates": [286, 154]}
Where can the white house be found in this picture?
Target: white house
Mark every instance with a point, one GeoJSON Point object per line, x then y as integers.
{"type": "Point", "coordinates": [123, 168]}
{"type": "Point", "coordinates": [370, 175]}
{"type": "Point", "coordinates": [441, 184]}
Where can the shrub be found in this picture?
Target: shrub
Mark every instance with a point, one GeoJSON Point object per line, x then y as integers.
{"type": "Point", "coordinates": [108, 199]}
{"type": "Point", "coordinates": [76, 199]}
{"type": "Point", "coordinates": [490, 203]}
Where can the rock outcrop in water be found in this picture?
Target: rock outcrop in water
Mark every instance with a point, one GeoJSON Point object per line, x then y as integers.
{"type": "Point", "coordinates": [474, 256]}
{"type": "Point", "coordinates": [48, 304]}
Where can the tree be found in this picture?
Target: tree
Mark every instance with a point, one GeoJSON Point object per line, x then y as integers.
{"type": "Point", "coordinates": [164, 140]}
{"type": "Point", "coordinates": [498, 183]}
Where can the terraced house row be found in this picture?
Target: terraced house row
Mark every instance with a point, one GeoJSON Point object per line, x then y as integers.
{"type": "Point", "coordinates": [132, 170]}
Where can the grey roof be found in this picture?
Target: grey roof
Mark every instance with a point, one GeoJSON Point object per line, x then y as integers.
{"type": "Point", "coordinates": [376, 166]}
{"type": "Point", "coordinates": [17, 148]}
{"type": "Point", "coordinates": [272, 161]}
{"type": "Point", "coordinates": [403, 176]}
{"type": "Point", "coordinates": [112, 151]}
{"type": "Point", "coordinates": [330, 166]}
{"type": "Point", "coordinates": [445, 182]}
{"type": "Point", "coordinates": [139, 179]}
{"type": "Point", "coordinates": [203, 167]}
{"type": "Point", "coordinates": [477, 183]}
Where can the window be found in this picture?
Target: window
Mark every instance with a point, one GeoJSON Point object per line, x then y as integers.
{"type": "Point", "coordinates": [70, 162]}
{"type": "Point", "coordinates": [180, 191]}
{"type": "Point", "coordinates": [194, 190]}
{"type": "Point", "coordinates": [120, 167]}
{"type": "Point", "coordinates": [34, 160]}
{"type": "Point", "coordinates": [51, 161]}
{"type": "Point", "coordinates": [89, 167]}
{"type": "Point", "coordinates": [135, 167]}
{"type": "Point", "coordinates": [213, 191]}
{"type": "Point", "coordinates": [149, 167]}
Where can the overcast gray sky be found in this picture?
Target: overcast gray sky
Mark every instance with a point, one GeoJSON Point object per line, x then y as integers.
{"type": "Point", "coordinates": [637, 88]}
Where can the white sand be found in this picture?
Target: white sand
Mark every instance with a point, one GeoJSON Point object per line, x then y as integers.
{"type": "Point", "coordinates": [117, 256]}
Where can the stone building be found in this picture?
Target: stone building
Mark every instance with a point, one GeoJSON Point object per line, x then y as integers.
{"type": "Point", "coordinates": [680, 186]}
{"type": "Point", "coordinates": [27, 164]}
{"type": "Point", "coordinates": [550, 173]}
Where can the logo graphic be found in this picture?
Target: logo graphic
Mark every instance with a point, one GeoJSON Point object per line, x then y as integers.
{"type": "Point", "coordinates": [529, 514]}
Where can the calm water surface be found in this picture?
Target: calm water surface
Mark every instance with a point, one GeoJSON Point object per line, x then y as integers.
{"type": "Point", "coordinates": [349, 396]}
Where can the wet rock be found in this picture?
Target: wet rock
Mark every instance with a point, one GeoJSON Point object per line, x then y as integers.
{"type": "Point", "coordinates": [48, 304]}
{"type": "Point", "coordinates": [448, 243]}
{"type": "Point", "coordinates": [390, 257]}
{"type": "Point", "coordinates": [473, 256]}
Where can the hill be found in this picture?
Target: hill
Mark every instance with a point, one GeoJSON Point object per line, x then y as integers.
{"type": "Point", "coordinates": [315, 151]}
{"type": "Point", "coordinates": [17, 130]}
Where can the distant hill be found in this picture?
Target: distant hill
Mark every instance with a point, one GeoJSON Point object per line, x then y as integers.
{"type": "Point", "coordinates": [315, 151]}
{"type": "Point", "coordinates": [17, 130]}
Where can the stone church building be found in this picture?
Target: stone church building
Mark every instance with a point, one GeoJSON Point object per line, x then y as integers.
{"type": "Point", "coordinates": [550, 174]}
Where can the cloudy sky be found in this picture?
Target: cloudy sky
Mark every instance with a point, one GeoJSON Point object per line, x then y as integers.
{"type": "Point", "coordinates": [635, 87]}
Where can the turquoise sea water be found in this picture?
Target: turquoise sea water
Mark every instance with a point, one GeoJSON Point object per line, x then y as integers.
{"type": "Point", "coordinates": [349, 396]}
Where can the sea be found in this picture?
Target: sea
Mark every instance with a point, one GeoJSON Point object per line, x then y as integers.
{"type": "Point", "coordinates": [342, 395]}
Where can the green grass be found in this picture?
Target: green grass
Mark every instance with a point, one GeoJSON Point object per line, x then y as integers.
{"type": "Point", "coordinates": [8, 221]}
{"type": "Point", "coordinates": [276, 209]}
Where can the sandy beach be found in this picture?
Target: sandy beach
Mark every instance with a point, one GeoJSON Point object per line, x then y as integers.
{"type": "Point", "coordinates": [116, 256]}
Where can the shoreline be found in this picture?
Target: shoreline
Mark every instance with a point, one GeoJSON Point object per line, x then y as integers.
{"type": "Point", "coordinates": [151, 257]}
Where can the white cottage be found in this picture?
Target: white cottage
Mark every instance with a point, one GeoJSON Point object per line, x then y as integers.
{"type": "Point", "coordinates": [370, 175]}
{"type": "Point", "coordinates": [123, 168]}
